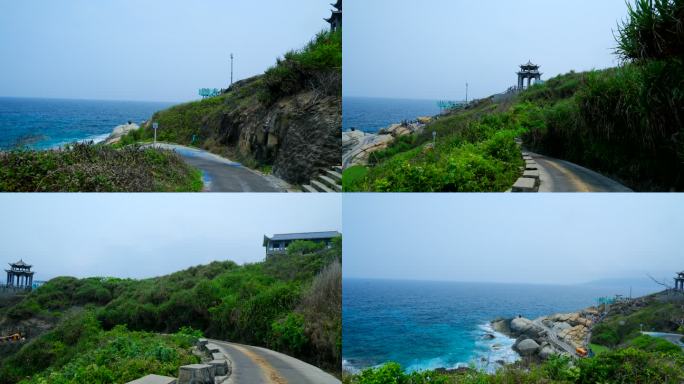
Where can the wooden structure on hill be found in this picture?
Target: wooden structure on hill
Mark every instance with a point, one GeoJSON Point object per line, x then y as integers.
{"type": "Point", "coordinates": [20, 275]}
{"type": "Point", "coordinates": [530, 72]}
{"type": "Point", "coordinates": [335, 19]}
{"type": "Point", "coordinates": [278, 243]}
{"type": "Point", "coordinates": [679, 282]}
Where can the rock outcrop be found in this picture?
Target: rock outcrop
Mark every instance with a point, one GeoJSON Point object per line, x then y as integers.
{"type": "Point", "coordinates": [357, 146]}
{"type": "Point", "coordinates": [120, 131]}
{"type": "Point", "coordinates": [558, 334]}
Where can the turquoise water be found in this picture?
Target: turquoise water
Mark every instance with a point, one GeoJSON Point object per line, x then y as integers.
{"type": "Point", "coordinates": [428, 325]}
{"type": "Point", "coordinates": [49, 123]}
{"type": "Point", "coordinates": [371, 114]}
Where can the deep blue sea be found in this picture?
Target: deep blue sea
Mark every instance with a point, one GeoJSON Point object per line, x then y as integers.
{"type": "Point", "coordinates": [371, 114]}
{"type": "Point", "coordinates": [428, 325]}
{"type": "Point", "coordinates": [49, 123]}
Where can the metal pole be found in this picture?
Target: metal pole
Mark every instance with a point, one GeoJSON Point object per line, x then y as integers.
{"type": "Point", "coordinates": [466, 93]}
{"type": "Point", "coordinates": [231, 69]}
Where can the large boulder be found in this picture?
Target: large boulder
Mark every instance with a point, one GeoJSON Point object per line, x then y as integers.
{"type": "Point", "coordinates": [527, 347]}
{"type": "Point", "coordinates": [521, 326]}
{"type": "Point", "coordinates": [547, 351]}
{"type": "Point", "coordinates": [120, 131]}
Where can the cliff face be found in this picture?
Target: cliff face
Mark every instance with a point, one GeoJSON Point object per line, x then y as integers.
{"type": "Point", "coordinates": [289, 119]}
{"type": "Point", "coordinates": [296, 135]}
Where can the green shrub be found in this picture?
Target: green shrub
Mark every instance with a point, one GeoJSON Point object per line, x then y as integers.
{"type": "Point", "coordinates": [654, 344]}
{"type": "Point", "coordinates": [96, 168]}
{"type": "Point", "coordinates": [288, 334]}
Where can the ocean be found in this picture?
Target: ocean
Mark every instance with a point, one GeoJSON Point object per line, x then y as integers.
{"type": "Point", "coordinates": [50, 123]}
{"type": "Point", "coordinates": [429, 325]}
{"type": "Point", "coordinates": [371, 114]}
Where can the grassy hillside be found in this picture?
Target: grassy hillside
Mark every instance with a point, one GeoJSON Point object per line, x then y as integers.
{"type": "Point", "coordinates": [215, 123]}
{"type": "Point", "coordinates": [290, 303]}
{"type": "Point", "coordinates": [625, 122]}
{"type": "Point", "coordinates": [96, 168]}
{"type": "Point", "coordinates": [630, 358]}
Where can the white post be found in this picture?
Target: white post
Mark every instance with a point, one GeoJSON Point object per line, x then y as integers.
{"type": "Point", "coordinates": [155, 126]}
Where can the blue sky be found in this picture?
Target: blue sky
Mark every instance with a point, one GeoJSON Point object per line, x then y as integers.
{"type": "Point", "coordinates": [537, 238]}
{"type": "Point", "coordinates": [430, 49]}
{"type": "Point", "coordinates": [145, 235]}
{"type": "Point", "coordinates": [154, 50]}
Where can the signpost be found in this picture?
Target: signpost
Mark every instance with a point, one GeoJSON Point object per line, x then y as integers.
{"type": "Point", "coordinates": [155, 126]}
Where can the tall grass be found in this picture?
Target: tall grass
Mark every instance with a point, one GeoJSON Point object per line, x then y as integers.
{"type": "Point", "coordinates": [654, 29]}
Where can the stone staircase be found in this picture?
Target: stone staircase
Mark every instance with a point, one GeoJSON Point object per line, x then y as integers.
{"type": "Point", "coordinates": [327, 180]}
{"type": "Point", "coordinates": [215, 369]}
{"type": "Point", "coordinates": [529, 181]}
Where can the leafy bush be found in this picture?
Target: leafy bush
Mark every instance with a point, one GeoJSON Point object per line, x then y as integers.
{"type": "Point", "coordinates": [269, 304]}
{"type": "Point", "coordinates": [287, 333]}
{"type": "Point", "coordinates": [96, 168]}
{"type": "Point", "coordinates": [317, 67]}
{"type": "Point", "coordinates": [654, 344]}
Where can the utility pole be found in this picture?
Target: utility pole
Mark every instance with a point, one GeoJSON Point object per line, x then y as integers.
{"type": "Point", "coordinates": [466, 93]}
{"type": "Point", "coordinates": [231, 69]}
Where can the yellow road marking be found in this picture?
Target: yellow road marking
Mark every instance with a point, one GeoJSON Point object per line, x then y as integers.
{"type": "Point", "coordinates": [576, 181]}
{"type": "Point", "coordinates": [271, 372]}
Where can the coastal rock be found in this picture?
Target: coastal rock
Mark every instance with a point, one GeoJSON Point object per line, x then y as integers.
{"type": "Point", "coordinates": [120, 131]}
{"type": "Point", "coordinates": [521, 326]}
{"type": "Point", "coordinates": [502, 326]}
{"type": "Point", "coordinates": [547, 351]}
{"type": "Point", "coordinates": [357, 146]}
{"type": "Point", "coordinates": [527, 347]}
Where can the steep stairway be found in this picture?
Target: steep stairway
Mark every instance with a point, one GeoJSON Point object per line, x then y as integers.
{"type": "Point", "coordinates": [327, 180]}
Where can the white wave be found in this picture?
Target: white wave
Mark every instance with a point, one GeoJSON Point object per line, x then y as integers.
{"type": "Point", "coordinates": [492, 353]}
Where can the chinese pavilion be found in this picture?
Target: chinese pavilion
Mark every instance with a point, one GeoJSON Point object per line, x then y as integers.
{"type": "Point", "coordinates": [335, 19]}
{"type": "Point", "coordinates": [19, 275]}
{"type": "Point", "coordinates": [530, 72]}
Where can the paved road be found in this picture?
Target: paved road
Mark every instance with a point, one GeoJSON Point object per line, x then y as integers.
{"type": "Point", "coordinates": [223, 175]}
{"type": "Point", "coordinates": [259, 365]}
{"type": "Point", "coordinates": [563, 176]}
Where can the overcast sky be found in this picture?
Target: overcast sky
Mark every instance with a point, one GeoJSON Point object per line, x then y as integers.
{"type": "Point", "coordinates": [155, 50]}
{"type": "Point", "coordinates": [537, 238]}
{"type": "Point", "coordinates": [145, 235]}
{"type": "Point", "coordinates": [430, 49]}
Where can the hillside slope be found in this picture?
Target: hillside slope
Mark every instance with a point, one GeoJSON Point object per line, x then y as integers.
{"type": "Point", "coordinates": [290, 303]}
{"type": "Point", "coordinates": [287, 119]}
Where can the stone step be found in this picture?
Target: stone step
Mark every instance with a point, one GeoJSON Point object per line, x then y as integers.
{"type": "Point", "coordinates": [212, 348]}
{"type": "Point", "coordinates": [308, 188]}
{"type": "Point", "coordinates": [525, 184]}
{"type": "Point", "coordinates": [221, 367]}
{"type": "Point", "coordinates": [337, 168]}
{"type": "Point", "coordinates": [330, 183]}
{"type": "Point", "coordinates": [321, 187]}
{"type": "Point", "coordinates": [534, 174]}
{"type": "Point", "coordinates": [196, 374]}
{"type": "Point", "coordinates": [154, 379]}
{"type": "Point", "coordinates": [337, 176]}
{"type": "Point", "coordinates": [531, 165]}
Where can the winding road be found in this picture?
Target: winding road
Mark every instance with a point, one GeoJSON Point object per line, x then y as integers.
{"type": "Point", "coordinates": [260, 365]}
{"type": "Point", "coordinates": [223, 175]}
{"type": "Point", "coordinates": [563, 176]}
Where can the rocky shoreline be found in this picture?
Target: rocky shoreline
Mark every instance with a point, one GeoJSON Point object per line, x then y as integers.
{"type": "Point", "coordinates": [559, 334]}
{"type": "Point", "coordinates": [358, 145]}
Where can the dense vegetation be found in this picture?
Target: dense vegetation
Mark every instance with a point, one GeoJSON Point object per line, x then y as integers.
{"type": "Point", "coordinates": [476, 151]}
{"type": "Point", "coordinates": [96, 168]}
{"type": "Point", "coordinates": [78, 350]}
{"type": "Point", "coordinates": [316, 67]}
{"type": "Point", "coordinates": [629, 357]}
{"type": "Point", "coordinates": [291, 303]}
{"type": "Point", "coordinates": [625, 122]}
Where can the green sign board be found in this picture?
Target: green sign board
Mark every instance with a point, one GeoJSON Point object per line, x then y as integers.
{"type": "Point", "coordinates": [209, 92]}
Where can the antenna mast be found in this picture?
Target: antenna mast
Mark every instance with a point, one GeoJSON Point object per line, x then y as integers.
{"type": "Point", "coordinates": [231, 69]}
